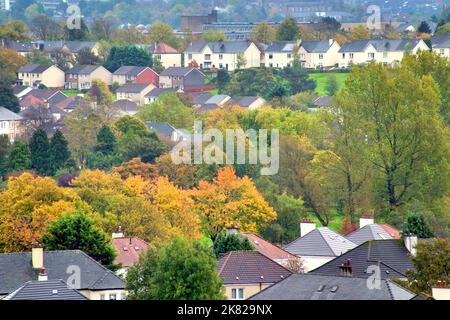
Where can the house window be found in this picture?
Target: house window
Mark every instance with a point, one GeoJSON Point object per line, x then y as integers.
{"type": "Point", "coordinates": [343, 56]}
{"type": "Point", "coordinates": [442, 52]}
{"type": "Point", "coordinates": [351, 55]}
{"type": "Point", "coordinates": [102, 297]}
{"type": "Point", "coordinates": [237, 294]}
{"type": "Point", "coordinates": [207, 57]}
{"type": "Point", "coordinates": [190, 56]}
{"type": "Point", "coordinates": [271, 65]}
{"type": "Point", "coordinates": [302, 56]}
{"type": "Point", "coordinates": [112, 296]}
{"type": "Point", "coordinates": [320, 56]}
{"type": "Point", "coordinates": [270, 56]}
{"type": "Point", "coordinates": [289, 55]}
{"type": "Point", "coordinates": [220, 56]}
{"type": "Point", "coordinates": [371, 55]}
{"type": "Point", "coordinates": [385, 55]}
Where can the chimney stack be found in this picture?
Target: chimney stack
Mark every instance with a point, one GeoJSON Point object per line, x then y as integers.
{"type": "Point", "coordinates": [410, 243]}
{"type": "Point", "coordinates": [42, 275]}
{"type": "Point", "coordinates": [306, 226]}
{"type": "Point", "coordinates": [365, 219]}
{"type": "Point", "coordinates": [37, 256]}
{"type": "Point", "coordinates": [118, 234]}
{"type": "Point", "coordinates": [232, 230]}
{"type": "Point", "coordinates": [330, 42]}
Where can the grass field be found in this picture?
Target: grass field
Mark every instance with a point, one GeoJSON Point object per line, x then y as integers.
{"type": "Point", "coordinates": [334, 224]}
{"type": "Point", "coordinates": [321, 79]}
{"type": "Point", "coordinates": [70, 93]}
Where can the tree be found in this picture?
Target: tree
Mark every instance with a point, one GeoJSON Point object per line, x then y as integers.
{"type": "Point", "coordinates": [135, 167]}
{"type": "Point", "coordinates": [360, 32]}
{"type": "Point", "coordinates": [168, 108]}
{"type": "Point", "coordinates": [39, 57]}
{"type": "Point", "coordinates": [232, 242]}
{"type": "Point", "coordinates": [76, 231]}
{"type": "Point", "coordinates": [160, 32]}
{"type": "Point", "coordinates": [424, 27]}
{"type": "Point", "coordinates": [86, 56]}
{"type": "Point", "coordinates": [100, 93]}
{"type": "Point", "coordinates": [416, 224]}
{"type": "Point", "coordinates": [59, 151]}
{"type": "Point", "coordinates": [45, 28]}
{"type": "Point", "coordinates": [106, 140]}
{"type": "Point", "coordinates": [263, 33]}
{"type": "Point", "coordinates": [297, 77]}
{"type": "Point", "coordinates": [40, 152]}
{"type": "Point", "coordinates": [10, 62]}
{"type": "Point", "coordinates": [19, 157]}
{"type": "Point", "coordinates": [15, 30]}
{"type": "Point", "coordinates": [288, 30]}
{"type": "Point", "coordinates": [5, 147]}
{"type": "Point", "coordinates": [241, 61]}
{"type": "Point", "coordinates": [213, 36]}
{"type": "Point", "coordinates": [76, 34]}
{"type": "Point", "coordinates": [178, 271]}
{"type": "Point", "coordinates": [432, 262]}
{"type": "Point", "coordinates": [229, 200]}
{"type": "Point", "coordinates": [129, 55]}
{"type": "Point", "coordinates": [222, 79]}
{"type": "Point", "coordinates": [103, 28]}
{"type": "Point", "coordinates": [443, 30]}
{"type": "Point", "coordinates": [7, 98]}
{"type": "Point", "coordinates": [331, 85]}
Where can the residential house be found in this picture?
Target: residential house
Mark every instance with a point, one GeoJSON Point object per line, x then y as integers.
{"type": "Point", "coordinates": [368, 230]}
{"type": "Point", "coordinates": [126, 107]}
{"type": "Point", "coordinates": [44, 289]}
{"type": "Point", "coordinates": [279, 54]}
{"type": "Point", "coordinates": [317, 246]}
{"type": "Point", "coordinates": [70, 103]}
{"type": "Point", "coordinates": [33, 75]}
{"type": "Point", "coordinates": [441, 291]}
{"type": "Point", "coordinates": [74, 267]}
{"type": "Point", "coordinates": [321, 102]}
{"type": "Point", "coordinates": [386, 51]}
{"type": "Point", "coordinates": [73, 47]}
{"type": "Point", "coordinates": [166, 55]}
{"type": "Point", "coordinates": [20, 90]}
{"type": "Point", "coordinates": [229, 55]}
{"type": "Point", "coordinates": [156, 93]}
{"type": "Point", "coordinates": [249, 103]}
{"type": "Point", "coordinates": [184, 78]}
{"type": "Point", "coordinates": [135, 92]}
{"type": "Point", "coordinates": [328, 287]}
{"type": "Point", "coordinates": [318, 54]}
{"type": "Point", "coordinates": [22, 48]}
{"type": "Point", "coordinates": [245, 273]}
{"type": "Point", "coordinates": [128, 249]}
{"type": "Point", "coordinates": [387, 259]}
{"type": "Point", "coordinates": [42, 97]}
{"type": "Point", "coordinates": [10, 123]}
{"type": "Point", "coordinates": [441, 45]}
{"type": "Point", "coordinates": [132, 74]}
{"type": "Point", "coordinates": [80, 77]}
{"type": "Point", "coordinates": [166, 131]}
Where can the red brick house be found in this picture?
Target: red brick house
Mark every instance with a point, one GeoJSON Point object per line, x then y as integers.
{"type": "Point", "coordinates": [132, 74]}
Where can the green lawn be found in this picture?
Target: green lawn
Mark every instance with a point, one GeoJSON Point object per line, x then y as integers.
{"type": "Point", "coordinates": [334, 224]}
{"type": "Point", "coordinates": [70, 93]}
{"type": "Point", "coordinates": [321, 81]}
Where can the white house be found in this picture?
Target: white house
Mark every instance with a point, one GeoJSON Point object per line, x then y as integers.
{"type": "Point", "coordinates": [9, 123]}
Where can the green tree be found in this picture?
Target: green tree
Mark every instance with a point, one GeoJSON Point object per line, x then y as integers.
{"type": "Point", "coordinates": [40, 152]}
{"type": "Point", "coordinates": [424, 27]}
{"type": "Point", "coordinates": [77, 34]}
{"type": "Point", "coordinates": [288, 30]}
{"type": "Point", "coordinates": [127, 56]}
{"type": "Point", "coordinates": [59, 151]}
{"type": "Point", "coordinates": [179, 270]}
{"type": "Point", "coordinates": [443, 30]}
{"type": "Point", "coordinates": [106, 141]}
{"type": "Point", "coordinates": [233, 242]}
{"type": "Point", "coordinates": [7, 98]}
{"type": "Point", "coordinates": [263, 33]}
{"type": "Point", "coordinates": [100, 93]}
{"type": "Point", "coordinates": [19, 157]}
{"type": "Point", "coordinates": [222, 79]}
{"type": "Point", "coordinates": [213, 36]}
{"type": "Point", "coordinates": [432, 262]}
{"type": "Point", "coordinates": [416, 224]}
{"type": "Point", "coordinates": [331, 85]}
{"type": "Point", "coordinates": [160, 32]}
{"type": "Point", "coordinates": [76, 231]}
{"type": "Point", "coordinates": [4, 150]}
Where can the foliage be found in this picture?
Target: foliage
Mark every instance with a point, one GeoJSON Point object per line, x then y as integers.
{"type": "Point", "coordinates": [331, 85]}
{"type": "Point", "coordinates": [231, 242]}
{"type": "Point", "coordinates": [59, 152]}
{"type": "Point", "coordinates": [213, 36]}
{"type": "Point", "coordinates": [135, 167]}
{"type": "Point", "coordinates": [40, 152]}
{"type": "Point", "coordinates": [19, 158]}
{"type": "Point", "coordinates": [127, 55]}
{"type": "Point", "coordinates": [263, 33]}
{"type": "Point", "coordinates": [106, 141]}
{"type": "Point", "coordinates": [416, 224]}
{"type": "Point", "coordinates": [7, 98]}
{"type": "Point", "coordinates": [288, 30]}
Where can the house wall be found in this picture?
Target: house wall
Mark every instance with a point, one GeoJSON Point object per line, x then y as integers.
{"type": "Point", "coordinates": [257, 104]}
{"type": "Point", "coordinates": [441, 293]}
{"type": "Point", "coordinates": [97, 295]}
{"type": "Point", "coordinates": [11, 128]}
{"type": "Point", "coordinates": [169, 59]}
{"type": "Point", "coordinates": [313, 262]}
{"type": "Point", "coordinates": [443, 52]}
{"type": "Point", "coordinates": [148, 76]}
{"type": "Point", "coordinates": [53, 77]}
{"type": "Point", "coordinates": [278, 60]}
{"type": "Point", "coordinates": [249, 289]}
{"type": "Point", "coordinates": [139, 98]}
{"type": "Point", "coordinates": [122, 79]}
{"type": "Point", "coordinates": [102, 74]}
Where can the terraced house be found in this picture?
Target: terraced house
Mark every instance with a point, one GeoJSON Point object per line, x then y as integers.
{"type": "Point", "coordinates": [319, 54]}
{"type": "Point", "coordinates": [81, 76]}
{"type": "Point", "coordinates": [33, 75]}
{"type": "Point", "coordinates": [223, 55]}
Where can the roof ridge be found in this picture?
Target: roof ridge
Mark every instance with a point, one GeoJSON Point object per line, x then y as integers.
{"type": "Point", "coordinates": [323, 237]}
{"type": "Point", "coordinates": [225, 262]}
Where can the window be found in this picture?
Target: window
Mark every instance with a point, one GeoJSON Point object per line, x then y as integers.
{"type": "Point", "coordinates": [289, 55]}
{"type": "Point", "coordinates": [302, 56]}
{"type": "Point", "coordinates": [237, 294]}
{"type": "Point", "coordinates": [102, 297]}
{"type": "Point", "coordinates": [112, 296]}
{"type": "Point", "coordinates": [270, 56]}
{"type": "Point", "coordinates": [321, 56]}
{"type": "Point", "coordinates": [220, 56]}
{"type": "Point", "coordinates": [385, 55]}
{"type": "Point", "coordinates": [371, 55]}
{"type": "Point", "coordinates": [442, 52]}
{"type": "Point", "coordinates": [207, 57]}
{"type": "Point", "coordinates": [351, 55]}
{"type": "Point", "coordinates": [343, 56]}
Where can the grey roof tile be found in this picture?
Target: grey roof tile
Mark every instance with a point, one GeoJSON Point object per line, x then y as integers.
{"type": "Point", "coordinates": [368, 232]}
{"type": "Point", "coordinates": [45, 290]}
{"type": "Point", "coordinates": [316, 46]}
{"type": "Point", "coordinates": [33, 68]}
{"type": "Point", "coordinates": [8, 115]}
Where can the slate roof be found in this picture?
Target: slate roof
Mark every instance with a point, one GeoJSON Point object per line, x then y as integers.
{"type": "Point", "coordinates": [129, 250]}
{"type": "Point", "coordinates": [161, 48]}
{"type": "Point", "coordinates": [19, 46]}
{"type": "Point", "coordinates": [207, 107]}
{"type": "Point", "coordinates": [132, 87]}
{"type": "Point", "coordinates": [70, 103]}
{"type": "Point", "coordinates": [17, 89]}
{"type": "Point", "coordinates": [126, 105]}
{"type": "Point", "coordinates": [82, 69]}
{"type": "Point", "coordinates": [323, 101]}
{"type": "Point", "coordinates": [245, 267]}
{"type": "Point", "coordinates": [156, 92]}
{"type": "Point", "coordinates": [280, 47]}
{"type": "Point", "coordinates": [178, 71]}
{"type": "Point", "coordinates": [217, 99]}
{"type": "Point", "coordinates": [316, 46]}
{"type": "Point", "coordinates": [368, 232]}
{"type": "Point", "coordinates": [317, 287]}
{"type": "Point", "coordinates": [219, 46]}
{"type": "Point", "coordinates": [440, 41]}
{"type": "Point", "coordinates": [380, 45]}
{"type": "Point", "coordinates": [8, 115]}
{"type": "Point", "coordinates": [320, 242]}
{"type": "Point", "coordinates": [391, 255]}
{"type": "Point", "coordinates": [33, 68]}
{"type": "Point", "coordinates": [73, 46]}
{"type": "Point", "coordinates": [266, 248]}
{"type": "Point", "coordinates": [16, 269]}
{"type": "Point", "coordinates": [129, 70]}
{"type": "Point", "coordinates": [244, 102]}
{"type": "Point", "coordinates": [45, 290]}
{"type": "Point", "coordinates": [160, 127]}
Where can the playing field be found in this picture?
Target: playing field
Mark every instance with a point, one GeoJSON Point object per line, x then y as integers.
{"type": "Point", "coordinates": [321, 79]}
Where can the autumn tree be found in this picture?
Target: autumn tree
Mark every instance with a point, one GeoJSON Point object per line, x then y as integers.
{"type": "Point", "coordinates": [160, 32]}
{"type": "Point", "coordinates": [10, 62]}
{"type": "Point", "coordinates": [135, 167]}
{"type": "Point", "coordinates": [230, 200]}
{"type": "Point", "coordinates": [263, 33]}
{"type": "Point", "coordinates": [213, 36]}
{"type": "Point", "coordinates": [360, 32]}
{"type": "Point", "coordinates": [288, 30]}
{"type": "Point", "coordinates": [99, 92]}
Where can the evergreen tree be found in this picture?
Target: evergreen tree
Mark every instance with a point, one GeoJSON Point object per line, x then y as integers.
{"type": "Point", "coordinates": [7, 98]}
{"type": "Point", "coordinates": [416, 224]}
{"type": "Point", "coordinates": [4, 149]}
{"type": "Point", "coordinates": [40, 152]}
{"type": "Point", "coordinates": [223, 78]}
{"type": "Point", "coordinates": [331, 85]}
{"type": "Point", "coordinates": [288, 30]}
{"type": "Point", "coordinates": [106, 141]}
{"type": "Point", "coordinates": [424, 27]}
{"type": "Point", "coordinates": [19, 157]}
{"type": "Point", "coordinates": [232, 242]}
{"type": "Point", "coordinates": [59, 150]}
